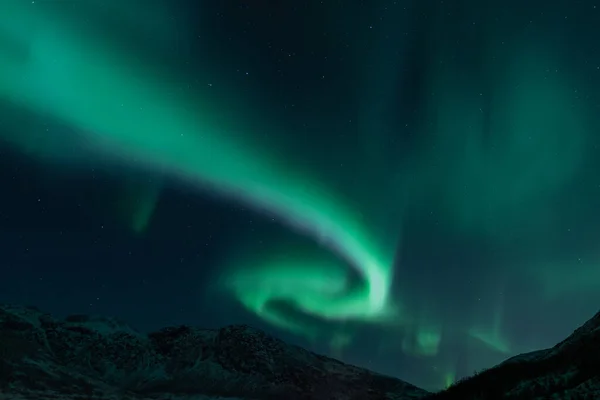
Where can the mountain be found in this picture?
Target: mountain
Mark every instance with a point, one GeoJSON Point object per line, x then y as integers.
{"type": "Point", "coordinates": [86, 357]}
{"type": "Point", "coordinates": [569, 370]}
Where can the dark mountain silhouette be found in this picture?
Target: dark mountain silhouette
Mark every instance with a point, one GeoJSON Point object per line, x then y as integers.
{"type": "Point", "coordinates": [85, 357]}
{"type": "Point", "coordinates": [569, 370]}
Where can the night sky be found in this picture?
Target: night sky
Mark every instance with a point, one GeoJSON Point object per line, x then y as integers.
{"type": "Point", "coordinates": [409, 186]}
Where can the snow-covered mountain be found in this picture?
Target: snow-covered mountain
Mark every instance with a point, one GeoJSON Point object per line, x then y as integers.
{"type": "Point", "coordinates": [569, 370]}
{"type": "Point", "coordinates": [86, 357]}
{"type": "Point", "coordinates": [94, 358]}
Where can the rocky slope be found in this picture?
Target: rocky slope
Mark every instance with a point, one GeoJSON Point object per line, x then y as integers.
{"type": "Point", "coordinates": [85, 358]}
{"type": "Point", "coordinates": [569, 370]}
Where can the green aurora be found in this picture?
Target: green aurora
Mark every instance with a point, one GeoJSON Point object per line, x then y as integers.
{"type": "Point", "coordinates": [132, 119]}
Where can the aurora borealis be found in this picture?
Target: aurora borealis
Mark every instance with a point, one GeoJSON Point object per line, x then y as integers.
{"type": "Point", "coordinates": [408, 186]}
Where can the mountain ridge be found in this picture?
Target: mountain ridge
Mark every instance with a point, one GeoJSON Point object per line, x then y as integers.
{"type": "Point", "coordinates": [85, 357]}
{"type": "Point", "coordinates": [88, 357]}
{"type": "Point", "coordinates": [568, 370]}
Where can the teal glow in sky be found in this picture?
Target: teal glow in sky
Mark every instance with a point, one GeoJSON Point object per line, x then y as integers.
{"type": "Point", "coordinates": [123, 110]}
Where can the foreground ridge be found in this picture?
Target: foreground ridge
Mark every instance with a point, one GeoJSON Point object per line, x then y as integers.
{"type": "Point", "coordinates": [569, 370]}
{"type": "Point", "coordinates": [87, 357]}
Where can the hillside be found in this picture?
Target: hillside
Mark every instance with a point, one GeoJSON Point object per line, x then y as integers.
{"type": "Point", "coordinates": [85, 357]}
{"type": "Point", "coordinates": [569, 370]}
